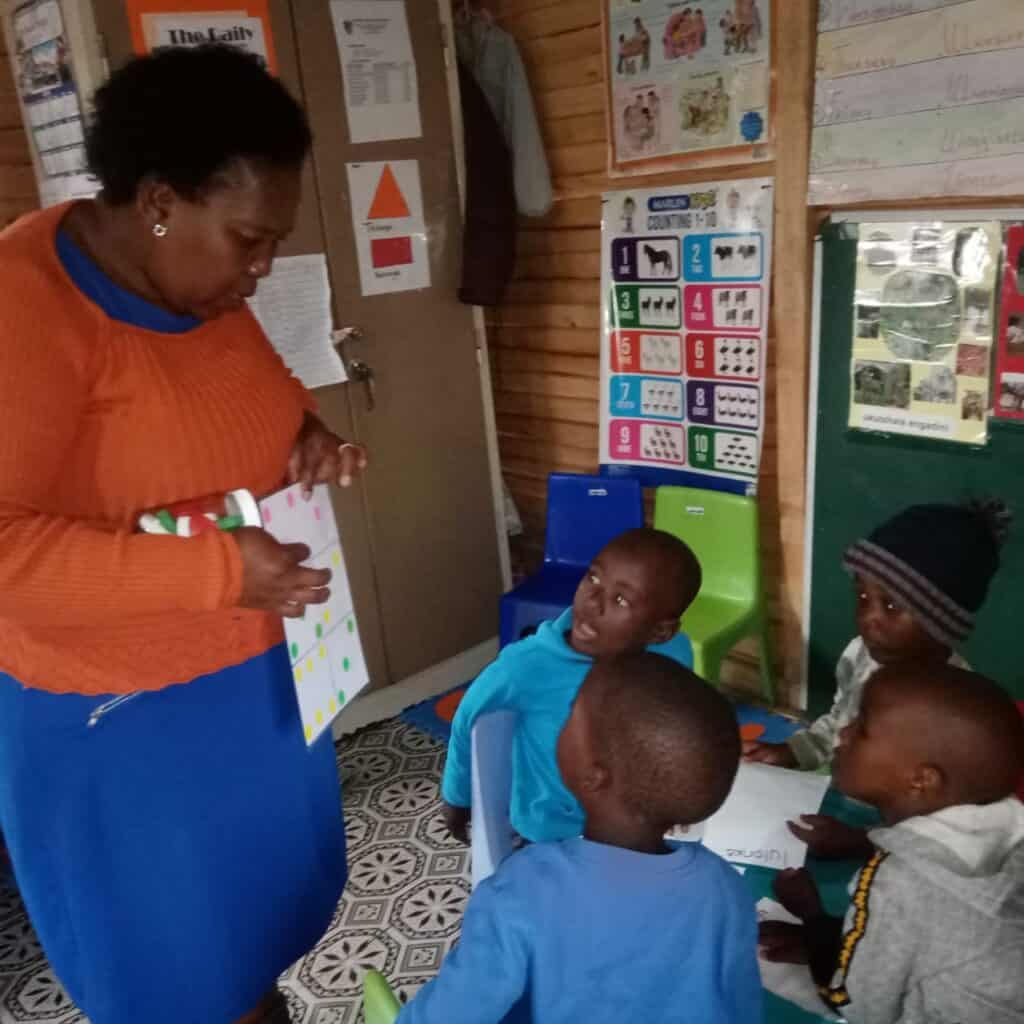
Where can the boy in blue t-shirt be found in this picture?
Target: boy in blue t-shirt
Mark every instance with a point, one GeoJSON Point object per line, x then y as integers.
{"type": "Point", "coordinates": [619, 924]}
{"type": "Point", "coordinates": [631, 597]}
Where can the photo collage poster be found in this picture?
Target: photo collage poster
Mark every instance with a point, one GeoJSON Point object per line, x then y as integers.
{"type": "Point", "coordinates": [45, 79]}
{"type": "Point", "coordinates": [685, 279]}
{"type": "Point", "coordinates": [1009, 402]}
{"type": "Point", "coordinates": [924, 328]}
{"type": "Point", "coordinates": [687, 77]}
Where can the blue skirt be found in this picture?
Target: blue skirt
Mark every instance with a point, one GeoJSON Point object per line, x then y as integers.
{"type": "Point", "coordinates": [180, 852]}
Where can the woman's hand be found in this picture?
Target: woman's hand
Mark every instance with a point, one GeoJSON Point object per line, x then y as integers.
{"type": "Point", "coordinates": [321, 457]}
{"type": "Point", "coordinates": [274, 580]}
{"type": "Point", "coordinates": [769, 753]}
{"type": "Point", "coordinates": [830, 839]}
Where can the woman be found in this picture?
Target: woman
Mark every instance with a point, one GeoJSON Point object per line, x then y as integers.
{"type": "Point", "coordinates": [179, 849]}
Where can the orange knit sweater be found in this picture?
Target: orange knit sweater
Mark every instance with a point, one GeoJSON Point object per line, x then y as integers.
{"type": "Point", "coordinates": [101, 420]}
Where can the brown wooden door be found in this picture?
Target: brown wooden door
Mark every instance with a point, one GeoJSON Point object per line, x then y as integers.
{"type": "Point", "coordinates": [419, 530]}
{"type": "Point", "coordinates": [430, 506]}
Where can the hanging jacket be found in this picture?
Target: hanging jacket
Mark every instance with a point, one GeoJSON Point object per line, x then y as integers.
{"type": "Point", "coordinates": [491, 55]}
{"type": "Point", "coordinates": [489, 231]}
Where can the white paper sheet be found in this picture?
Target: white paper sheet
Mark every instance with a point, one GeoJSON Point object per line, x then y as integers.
{"type": "Point", "coordinates": [390, 232]}
{"type": "Point", "coordinates": [323, 646]}
{"type": "Point", "coordinates": [188, 29]}
{"type": "Point", "coordinates": [382, 96]}
{"type": "Point", "coordinates": [750, 827]}
{"type": "Point", "coordinates": [792, 982]}
{"type": "Point", "coordinates": [293, 305]}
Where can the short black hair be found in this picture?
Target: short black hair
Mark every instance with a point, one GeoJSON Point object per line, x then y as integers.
{"type": "Point", "coordinates": [674, 557]}
{"type": "Point", "coordinates": [671, 739]}
{"type": "Point", "coordinates": [965, 723]}
{"type": "Point", "coordinates": [184, 115]}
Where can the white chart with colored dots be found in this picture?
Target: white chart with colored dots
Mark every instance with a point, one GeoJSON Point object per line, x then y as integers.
{"type": "Point", "coordinates": [323, 646]}
{"type": "Point", "coordinates": [685, 278]}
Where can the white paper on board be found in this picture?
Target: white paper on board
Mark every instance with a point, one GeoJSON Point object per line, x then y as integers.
{"type": "Point", "coordinates": [792, 982]}
{"type": "Point", "coordinates": [324, 648]}
{"type": "Point", "coordinates": [388, 224]}
{"type": "Point", "coordinates": [382, 97]}
{"type": "Point", "coordinates": [750, 827]}
{"type": "Point", "coordinates": [293, 305]}
{"type": "Point", "coordinates": [189, 29]}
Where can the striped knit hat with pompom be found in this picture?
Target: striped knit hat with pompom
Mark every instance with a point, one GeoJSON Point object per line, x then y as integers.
{"type": "Point", "coordinates": [937, 561]}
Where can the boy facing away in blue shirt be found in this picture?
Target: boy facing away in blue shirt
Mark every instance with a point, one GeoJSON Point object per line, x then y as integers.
{"type": "Point", "coordinates": [631, 597]}
{"type": "Point", "coordinates": [619, 924]}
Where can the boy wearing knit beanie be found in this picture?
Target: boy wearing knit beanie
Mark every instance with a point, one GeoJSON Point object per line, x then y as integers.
{"type": "Point", "coordinates": [920, 579]}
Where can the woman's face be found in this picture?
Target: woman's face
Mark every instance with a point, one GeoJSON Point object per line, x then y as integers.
{"type": "Point", "coordinates": [218, 247]}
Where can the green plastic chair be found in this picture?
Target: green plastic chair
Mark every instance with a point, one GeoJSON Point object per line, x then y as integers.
{"type": "Point", "coordinates": [722, 531]}
{"type": "Point", "coordinates": [380, 1004]}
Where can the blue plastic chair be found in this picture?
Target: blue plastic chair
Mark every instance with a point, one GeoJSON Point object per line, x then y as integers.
{"type": "Point", "coordinates": [583, 514]}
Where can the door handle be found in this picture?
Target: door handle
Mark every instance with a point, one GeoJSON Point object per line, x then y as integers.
{"type": "Point", "coordinates": [363, 373]}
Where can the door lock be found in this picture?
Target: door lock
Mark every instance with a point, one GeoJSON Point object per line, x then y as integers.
{"type": "Point", "coordinates": [363, 373]}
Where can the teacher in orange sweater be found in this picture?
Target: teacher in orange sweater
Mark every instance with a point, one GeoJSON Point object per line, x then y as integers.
{"type": "Point", "coordinates": [175, 842]}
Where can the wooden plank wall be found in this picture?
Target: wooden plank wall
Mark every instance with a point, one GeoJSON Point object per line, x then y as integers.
{"type": "Point", "coordinates": [545, 339]}
{"type": "Point", "coordinates": [18, 192]}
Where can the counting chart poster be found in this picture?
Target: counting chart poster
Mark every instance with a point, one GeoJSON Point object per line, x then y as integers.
{"type": "Point", "coordinates": [685, 278]}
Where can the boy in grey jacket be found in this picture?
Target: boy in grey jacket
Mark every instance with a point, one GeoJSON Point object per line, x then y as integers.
{"type": "Point", "coordinates": [935, 930]}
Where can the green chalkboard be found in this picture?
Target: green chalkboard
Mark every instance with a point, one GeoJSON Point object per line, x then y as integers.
{"type": "Point", "coordinates": [862, 479]}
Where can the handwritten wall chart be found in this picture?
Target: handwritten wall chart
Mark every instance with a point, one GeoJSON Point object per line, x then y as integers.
{"type": "Point", "coordinates": [928, 101]}
{"type": "Point", "coordinates": [684, 285]}
{"type": "Point", "coordinates": [323, 646]}
{"type": "Point", "coordinates": [923, 329]}
{"type": "Point", "coordinates": [687, 77]}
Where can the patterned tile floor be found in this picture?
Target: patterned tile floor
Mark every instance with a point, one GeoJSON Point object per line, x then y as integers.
{"type": "Point", "coordinates": [408, 884]}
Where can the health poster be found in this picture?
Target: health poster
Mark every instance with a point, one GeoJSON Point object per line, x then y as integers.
{"type": "Point", "coordinates": [923, 329]}
{"type": "Point", "coordinates": [685, 297]}
{"type": "Point", "coordinates": [685, 78]}
{"type": "Point", "coordinates": [323, 646]}
{"type": "Point", "coordinates": [1009, 402]}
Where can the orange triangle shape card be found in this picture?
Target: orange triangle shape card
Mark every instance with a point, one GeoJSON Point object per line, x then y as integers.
{"type": "Point", "coordinates": [388, 201]}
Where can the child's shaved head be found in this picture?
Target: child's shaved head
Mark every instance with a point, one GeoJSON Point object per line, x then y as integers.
{"type": "Point", "coordinates": [675, 564]}
{"type": "Point", "coordinates": [968, 726]}
{"type": "Point", "coordinates": [634, 593]}
{"type": "Point", "coordinates": [667, 742]}
{"type": "Point", "coordinates": [932, 737]}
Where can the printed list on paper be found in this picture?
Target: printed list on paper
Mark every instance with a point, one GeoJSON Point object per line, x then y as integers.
{"type": "Point", "coordinates": [382, 98]}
